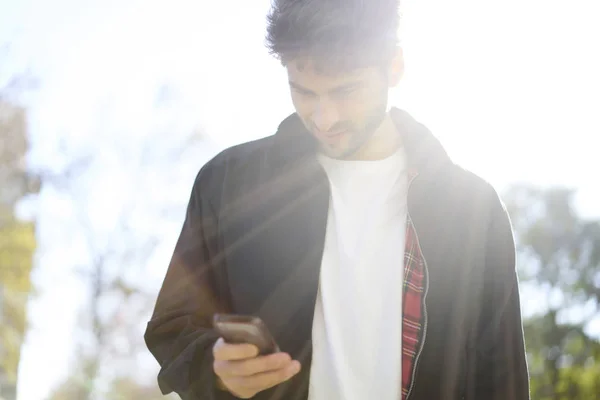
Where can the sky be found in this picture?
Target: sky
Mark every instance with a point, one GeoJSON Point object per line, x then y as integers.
{"type": "Point", "coordinates": [511, 89]}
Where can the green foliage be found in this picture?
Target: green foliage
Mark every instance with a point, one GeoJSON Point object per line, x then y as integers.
{"type": "Point", "coordinates": [559, 255]}
{"type": "Point", "coordinates": [17, 244]}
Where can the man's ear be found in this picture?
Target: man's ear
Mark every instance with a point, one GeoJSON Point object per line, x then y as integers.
{"type": "Point", "coordinates": [396, 68]}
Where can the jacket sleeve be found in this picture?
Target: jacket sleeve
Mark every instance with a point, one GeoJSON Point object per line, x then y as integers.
{"type": "Point", "coordinates": [501, 366]}
{"type": "Point", "coordinates": [179, 333]}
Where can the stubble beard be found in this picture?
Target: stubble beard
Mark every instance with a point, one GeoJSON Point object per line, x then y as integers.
{"type": "Point", "coordinates": [359, 138]}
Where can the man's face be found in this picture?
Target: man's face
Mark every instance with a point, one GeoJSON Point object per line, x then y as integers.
{"type": "Point", "coordinates": [341, 109]}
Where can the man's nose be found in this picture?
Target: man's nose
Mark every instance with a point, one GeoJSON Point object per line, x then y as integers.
{"type": "Point", "coordinates": [325, 116]}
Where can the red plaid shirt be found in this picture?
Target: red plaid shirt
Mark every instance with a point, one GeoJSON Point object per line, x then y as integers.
{"type": "Point", "coordinates": [412, 304]}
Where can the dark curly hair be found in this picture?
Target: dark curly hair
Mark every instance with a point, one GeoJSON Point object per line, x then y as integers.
{"type": "Point", "coordinates": [348, 33]}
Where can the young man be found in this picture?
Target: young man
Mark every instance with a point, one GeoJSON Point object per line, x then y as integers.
{"type": "Point", "coordinates": [382, 269]}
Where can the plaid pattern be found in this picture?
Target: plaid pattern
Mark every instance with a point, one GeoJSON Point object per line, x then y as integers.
{"type": "Point", "coordinates": [412, 304]}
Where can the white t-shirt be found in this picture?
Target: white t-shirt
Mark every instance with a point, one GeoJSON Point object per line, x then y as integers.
{"type": "Point", "coordinates": [357, 328]}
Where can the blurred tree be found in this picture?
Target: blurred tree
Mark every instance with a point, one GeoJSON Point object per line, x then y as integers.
{"type": "Point", "coordinates": [17, 244]}
{"type": "Point", "coordinates": [110, 319]}
{"type": "Point", "coordinates": [127, 388]}
{"type": "Point", "coordinates": [109, 339]}
{"type": "Point", "coordinates": [559, 256]}
{"type": "Point", "coordinates": [16, 180]}
{"type": "Point", "coordinates": [70, 389]}
{"type": "Point", "coordinates": [121, 388]}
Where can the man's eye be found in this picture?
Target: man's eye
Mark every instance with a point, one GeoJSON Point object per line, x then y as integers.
{"type": "Point", "coordinates": [302, 92]}
{"type": "Point", "coordinates": [346, 92]}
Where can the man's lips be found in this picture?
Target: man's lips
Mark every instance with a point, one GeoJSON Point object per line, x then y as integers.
{"type": "Point", "coordinates": [331, 137]}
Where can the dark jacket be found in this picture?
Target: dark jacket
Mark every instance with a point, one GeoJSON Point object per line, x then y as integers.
{"type": "Point", "coordinates": [252, 243]}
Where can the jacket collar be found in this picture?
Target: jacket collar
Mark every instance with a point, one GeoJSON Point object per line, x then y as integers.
{"type": "Point", "coordinates": [425, 153]}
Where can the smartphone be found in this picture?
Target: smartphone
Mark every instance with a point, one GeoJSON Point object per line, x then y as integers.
{"type": "Point", "coordinates": [245, 329]}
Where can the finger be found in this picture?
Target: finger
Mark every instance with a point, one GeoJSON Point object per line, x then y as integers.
{"type": "Point", "coordinates": [269, 379]}
{"type": "Point", "coordinates": [228, 351]}
{"type": "Point", "coordinates": [252, 366]}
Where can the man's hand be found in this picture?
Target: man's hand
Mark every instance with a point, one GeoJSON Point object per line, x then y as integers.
{"type": "Point", "coordinates": [245, 374]}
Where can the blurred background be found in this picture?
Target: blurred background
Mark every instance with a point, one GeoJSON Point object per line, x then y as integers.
{"type": "Point", "coordinates": [109, 108]}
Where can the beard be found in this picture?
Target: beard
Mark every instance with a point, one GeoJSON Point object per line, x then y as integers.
{"type": "Point", "coordinates": [358, 134]}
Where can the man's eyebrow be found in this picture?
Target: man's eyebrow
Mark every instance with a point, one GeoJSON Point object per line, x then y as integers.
{"type": "Point", "coordinates": [341, 88]}
{"type": "Point", "coordinates": [347, 86]}
{"type": "Point", "coordinates": [300, 88]}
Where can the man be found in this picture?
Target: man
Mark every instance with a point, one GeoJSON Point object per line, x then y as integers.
{"type": "Point", "coordinates": [382, 269]}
